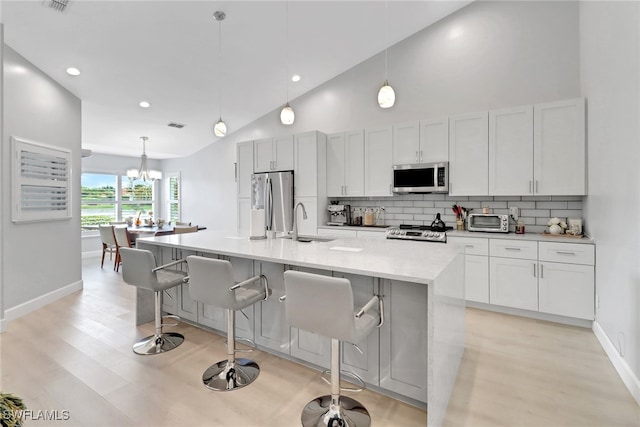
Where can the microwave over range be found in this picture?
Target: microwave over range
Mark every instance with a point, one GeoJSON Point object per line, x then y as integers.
{"type": "Point", "coordinates": [421, 178]}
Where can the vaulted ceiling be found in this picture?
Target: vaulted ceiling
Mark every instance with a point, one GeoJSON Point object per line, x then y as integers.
{"type": "Point", "coordinates": [166, 53]}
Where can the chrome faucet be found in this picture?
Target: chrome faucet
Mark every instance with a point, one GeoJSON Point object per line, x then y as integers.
{"type": "Point", "coordinates": [294, 232]}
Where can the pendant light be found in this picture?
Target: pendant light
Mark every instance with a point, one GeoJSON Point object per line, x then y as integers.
{"type": "Point", "coordinates": [386, 94]}
{"type": "Point", "coordinates": [287, 116]}
{"type": "Point", "coordinates": [220, 128]}
{"type": "Point", "coordinates": [144, 173]}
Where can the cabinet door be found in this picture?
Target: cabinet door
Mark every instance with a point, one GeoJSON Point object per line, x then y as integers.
{"type": "Point", "coordinates": [434, 140]}
{"type": "Point", "coordinates": [559, 148]}
{"type": "Point", "coordinates": [283, 153]}
{"type": "Point", "coordinates": [468, 155]}
{"type": "Point", "coordinates": [263, 155]}
{"type": "Point", "coordinates": [336, 159]}
{"type": "Point", "coordinates": [244, 168]}
{"type": "Point", "coordinates": [513, 283]}
{"type": "Point", "coordinates": [244, 214]}
{"type": "Point", "coordinates": [476, 278]}
{"type": "Point", "coordinates": [511, 151]}
{"type": "Point", "coordinates": [337, 232]}
{"type": "Point", "coordinates": [271, 326]}
{"type": "Point", "coordinates": [374, 234]}
{"type": "Point", "coordinates": [378, 166]}
{"type": "Point", "coordinates": [364, 362]}
{"type": "Point", "coordinates": [403, 340]}
{"type": "Point", "coordinates": [306, 164]}
{"type": "Point", "coordinates": [406, 143]}
{"type": "Point", "coordinates": [567, 289]}
{"type": "Point", "coordinates": [354, 163]}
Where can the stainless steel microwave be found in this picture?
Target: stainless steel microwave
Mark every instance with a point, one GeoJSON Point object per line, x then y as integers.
{"type": "Point", "coordinates": [421, 178]}
{"type": "Point", "coordinates": [493, 223]}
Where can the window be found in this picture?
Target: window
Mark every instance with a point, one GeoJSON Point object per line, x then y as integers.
{"type": "Point", "coordinates": [113, 197]}
{"type": "Point", "coordinates": [173, 198]}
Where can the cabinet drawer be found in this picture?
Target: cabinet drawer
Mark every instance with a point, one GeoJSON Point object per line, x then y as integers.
{"type": "Point", "coordinates": [572, 253]}
{"type": "Point", "coordinates": [513, 249]}
{"type": "Point", "coordinates": [471, 245]}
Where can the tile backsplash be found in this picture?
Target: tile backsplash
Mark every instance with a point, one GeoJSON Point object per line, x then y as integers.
{"type": "Point", "coordinates": [421, 209]}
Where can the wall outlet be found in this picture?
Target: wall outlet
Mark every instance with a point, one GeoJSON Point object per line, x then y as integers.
{"type": "Point", "coordinates": [513, 211]}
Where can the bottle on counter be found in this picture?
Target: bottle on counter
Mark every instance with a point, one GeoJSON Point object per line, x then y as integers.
{"type": "Point", "coordinates": [369, 217]}
{"type": "Point", "coordinates": [520, 227]}
{"type": "Point", "coordinates": [357, 216]}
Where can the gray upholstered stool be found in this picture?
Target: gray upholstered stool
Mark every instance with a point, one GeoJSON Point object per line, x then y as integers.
{"type": "Point", "coordinates": [139, 269]}
{"type": "Point", "coordinates": [324, 305]}
{"type": "Point", "coordinates": [211, 282]}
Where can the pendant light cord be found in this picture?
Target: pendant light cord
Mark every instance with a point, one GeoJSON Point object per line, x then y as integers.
{"type": "Point", "coordinates": [386, 36]}
{"type": "Point", "coordinates": [220, 68]}
{"type": "Point", "coordinates": [286, 46]}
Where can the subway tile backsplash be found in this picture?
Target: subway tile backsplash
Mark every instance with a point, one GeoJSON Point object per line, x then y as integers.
{"type": "Point", "coordinates": [420, 209]}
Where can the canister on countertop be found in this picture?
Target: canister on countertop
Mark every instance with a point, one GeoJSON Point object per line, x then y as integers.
{"type": "Point", "coordinates": [357, 216]}
{"type": "Point", "coordinates": [369, 217]}
{"type": "Point", "coordinates": [520, 227]}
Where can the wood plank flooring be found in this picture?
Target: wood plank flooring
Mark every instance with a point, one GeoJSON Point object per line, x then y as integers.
{"type": "Point", "coordinates": [76, 355]}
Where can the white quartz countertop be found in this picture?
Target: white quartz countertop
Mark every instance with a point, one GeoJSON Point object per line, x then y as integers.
{"type": "Point", "coordinates": [418, 262]}
{"type": "Point", "coordinates": [538, 237]}
{"type": "Point", "coordinates": [380, 228]}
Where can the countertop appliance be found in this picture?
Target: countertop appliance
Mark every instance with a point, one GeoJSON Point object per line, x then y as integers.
{"type": "Point", "coordinates": [273, 192]}
{"type": "Point", "coordinates": [425, 233]}
{"type": "Point", "coordinates": [492, 223]}
{"type": "Point", "coordinates": [421, 178]}
{"type": "Point", "coordinates": [339, 214]}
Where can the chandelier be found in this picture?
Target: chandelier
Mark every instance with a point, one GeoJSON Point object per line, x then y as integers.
{"type": "Point", "coordinates": [144, 173]}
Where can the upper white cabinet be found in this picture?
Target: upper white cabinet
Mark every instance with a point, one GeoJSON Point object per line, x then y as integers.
{"type": "Point", "coordinates": [244, 168]}
{"type": "Point", "coordinates": [273, 154]}
{"type": "Point", "coordinates": [511, 151]}
{"type": "Point", "coordinates": [559, 148]}
{"type": "Point", "coordinates": [378, 162]}
{"type": "Point", "coordinates": [310, 166]}
{"type": "Point", "coordinates": [421, 142]}
{"type": "Point", "coordinates": [468, 154]}
{"type": "Point", "coordinates": [345, 164]}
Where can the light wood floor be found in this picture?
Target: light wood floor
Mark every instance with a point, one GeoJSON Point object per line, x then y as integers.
{"type": "Point", "coordinates": [76, 355]}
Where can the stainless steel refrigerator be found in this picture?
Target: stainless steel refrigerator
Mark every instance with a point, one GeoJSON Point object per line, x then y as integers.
{"type": "Point", "coordinates": [273, 192]}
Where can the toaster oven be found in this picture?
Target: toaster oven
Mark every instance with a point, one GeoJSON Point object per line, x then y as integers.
{"type": "Point", "coordinates": [492, 223]}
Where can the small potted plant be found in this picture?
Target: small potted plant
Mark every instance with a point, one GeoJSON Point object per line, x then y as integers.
{"type": "Point", "coordinates": [11, 408]}
{"type": "Point", "coordinates": [556, 226]}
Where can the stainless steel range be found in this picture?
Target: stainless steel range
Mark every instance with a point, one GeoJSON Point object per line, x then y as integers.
{"type": "Point", "coordinates": [423, 233]}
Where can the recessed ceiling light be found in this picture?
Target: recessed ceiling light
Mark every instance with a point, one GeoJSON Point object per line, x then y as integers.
{"type": "Point", "coordinates": [144, 104]}
{"type": "Point", "coordinates": [295, 78]}
{"type": "Point", "coordinates": [72, 71]}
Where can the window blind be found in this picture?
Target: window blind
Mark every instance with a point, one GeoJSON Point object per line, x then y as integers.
{"type": "Point", "coordinates": [41, 187]}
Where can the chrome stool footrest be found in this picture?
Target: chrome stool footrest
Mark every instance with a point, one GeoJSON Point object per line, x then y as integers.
{"type": "Point", "coordinates": [227, 376]}
{"type": "Point", "coordinates": [155, 344]}
{"type": "Point", "coordinates": [247, 341]}
{"type": "Point", "coordinates": [170, 316]}
{"type": "Point", "coordinates": [359, 381]}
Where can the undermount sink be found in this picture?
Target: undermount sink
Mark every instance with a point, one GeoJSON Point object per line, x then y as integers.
{"type": "Point", "coordinates": [308, 238]}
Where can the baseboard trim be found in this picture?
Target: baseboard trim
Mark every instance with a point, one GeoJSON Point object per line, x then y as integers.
{"type": "Point", "coordinates": [626, 374]}
{"type": "Point", "coordinates": [39, 302]}
{"type": "Point", "coordinates": [571, 321]}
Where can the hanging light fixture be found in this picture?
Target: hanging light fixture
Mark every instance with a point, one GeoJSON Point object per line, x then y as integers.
{"type": "Point", "coordinates": [386, 94]}
{"type": "Point", "coordinates": [220, 128]}
{"type": "Point", "coordinates": [144, 173]}
{"type": "Point", "coordinates": [287, 116]}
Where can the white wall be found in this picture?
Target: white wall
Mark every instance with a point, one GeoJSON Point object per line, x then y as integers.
{"type": "Point", "coordinates": [508, 54]}
{"type": "Point", "coordinates": [610, 75]}
{"type": "Point", "coordinates": [38, 259]}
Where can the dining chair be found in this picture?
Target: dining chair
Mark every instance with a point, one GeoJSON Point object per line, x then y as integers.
{"type": "Point", "coordinates": [123, 240]}
{"type": "Point", "coordinates": [108, 242]}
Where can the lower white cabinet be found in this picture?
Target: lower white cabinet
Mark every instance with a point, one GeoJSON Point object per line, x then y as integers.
{"type": "Point", "coordinates": [513, 283]}
{"type": "Point", "coordinates": [403, 340]}
{"type": "Point", "coordinates": [376, 233]}
{"type": "Point", "coordinates": [476, 272]}
{"type": "Point", "coordinates": [272, 330]}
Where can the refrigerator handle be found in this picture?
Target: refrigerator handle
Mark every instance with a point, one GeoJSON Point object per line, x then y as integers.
{"type": "Point", "coordinates": [268, 204]}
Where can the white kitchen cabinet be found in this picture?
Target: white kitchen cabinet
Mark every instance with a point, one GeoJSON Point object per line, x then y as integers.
{"type": "Point", "coordinates": [310, 168]}
{"type": "Point", "coordinates": [378, 162]}
{"type": "Point", "coordinates": [406, 143]}
{"type": "Point", "coordinates": [421, 142]}
{"type": "Point", "coordinates": [405, 321]}
{"type": "Point", "coordinates": [337, 232]}
{"type": "Point", "coordinates": [511, 151]}
{"type": "Point", "coordinates": [244, 213]}
{"type": "Point", "coordinates": [375, 233]}
{"type": "Point", "coordinates": [559, 148]}
{"type": "Point", "coordinates": [468, 154]}
{"type": "Point", "coordinates": [273, 154]}
{"type": "Point", "coordinates": [513, 273]}
{"type": "Point", "coordinates": [272, 330]}
{"type": "Point", "coordinates": [244, 168]}
{"type": "Point", "coordinates": [567, 279]}
{"type": "Point", "coordinates": [310, 225]}
{"type": "Point", "coordinates": [345, 164]}
{"type": "Point", "coordinates": [476, 273]}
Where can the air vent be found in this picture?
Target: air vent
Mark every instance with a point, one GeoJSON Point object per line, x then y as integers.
{"type": "Point", "coordinates": [176, 125]}
{"type": "Point", "coordinates": [58, 5]}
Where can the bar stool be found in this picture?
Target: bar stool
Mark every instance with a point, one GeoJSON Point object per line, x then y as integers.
{"type": "Point", "coordinates": [324, 305]}
{"type": "Point", "coordinates": [211, 282]}
{"type": "Point", "coordinates": [139, 269]}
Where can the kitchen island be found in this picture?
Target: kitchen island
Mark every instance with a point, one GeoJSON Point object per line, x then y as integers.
{"type": "Point", "coordinates": [414, 356]}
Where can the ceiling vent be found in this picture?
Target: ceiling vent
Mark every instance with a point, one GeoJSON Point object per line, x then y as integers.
{"type": "Point", "coordinates": [59, 5]}
{"type": "Point", "coordinates": [176, 125]}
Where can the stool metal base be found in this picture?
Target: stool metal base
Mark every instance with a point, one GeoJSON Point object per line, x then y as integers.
{"type": "Point", "coordinates": [156, 344]}
{"type": "Point", "coordinates": [350, 413]}
{"type": "Point", "coordinates": [227, 376]}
